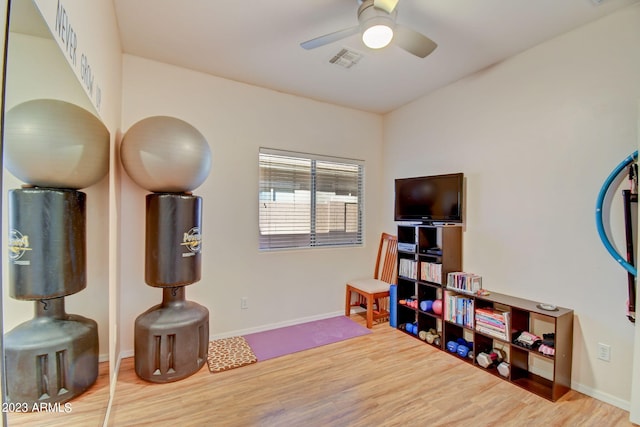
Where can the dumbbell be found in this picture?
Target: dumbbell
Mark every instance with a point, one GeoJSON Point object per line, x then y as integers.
{"type": "Point", "coordinates": [412, 328]}
{"type": "Point", "coordinates": [462, 341]}
{"type": "Point", "coordinates": [462, 350]}
{"type": "Point", "coordinates": [409, 302]}
{"type": "Point", "coordinates": [493, 357]}
{"type": "Point", "coordinates": [504, 368]}
{"type": "Point", "coordinates": [431, 336]}
{"type": "Point", "coordinates": [464, 347]}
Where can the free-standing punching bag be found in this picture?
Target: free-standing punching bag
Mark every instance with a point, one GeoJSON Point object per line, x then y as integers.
{"type": "Point", "coordinates": [57, 148]}
{"type": "Point", "coordinates": [173, 240]}
{"type": "Point", "coordinates": [169, 157]}
{"type": "Point", "coordinates": [48, 243]}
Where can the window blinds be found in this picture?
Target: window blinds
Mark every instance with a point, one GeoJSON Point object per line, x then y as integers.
{"type": "Point", "coordinates": [308, 200]}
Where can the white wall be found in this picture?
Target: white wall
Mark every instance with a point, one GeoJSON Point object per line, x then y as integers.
{"type": "Point", "coordinates": [282, 287]}
{"type": "Point", "coordinates": [95, 55]}
{"type": "Point", "coordinates": [536, 136]}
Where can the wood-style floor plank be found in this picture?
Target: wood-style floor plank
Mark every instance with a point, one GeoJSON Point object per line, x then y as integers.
{"type": "Point", "coordinates": [88, 409]}
{"type": "Point", "coordinates": [384, 379]}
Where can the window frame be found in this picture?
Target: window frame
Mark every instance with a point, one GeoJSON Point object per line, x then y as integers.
{"type": "Point", "coordinates": [316, 240]}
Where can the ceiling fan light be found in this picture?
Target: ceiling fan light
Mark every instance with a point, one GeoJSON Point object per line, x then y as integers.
{"type": "Point", "coordinates": [377, 36]}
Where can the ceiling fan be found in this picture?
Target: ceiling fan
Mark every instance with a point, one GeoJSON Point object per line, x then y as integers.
{"type": "Point", "coordinates": [377, 22]}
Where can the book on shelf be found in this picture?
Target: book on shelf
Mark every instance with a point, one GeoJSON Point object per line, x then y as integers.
{"type": "Point", "coordinates": [464, 282]}
{"type": "Point", "coordinates": [493, 322]}
{"type": "Point", "coordinates": [459, 309]}
{"type": "Point", "coordinates": [491, 332]}
{"type": "Point", "coordinates": [431, 272]}
{"type": "Point", "coordinates": [492, 315]}
{"type": "Point", "coordinates": [490, 325]}
{"type": "Point", "coordinates": [408, 268]}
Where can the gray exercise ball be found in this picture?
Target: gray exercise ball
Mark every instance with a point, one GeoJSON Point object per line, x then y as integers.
{"type": "Point", "coordinates": [165, 155]}
{"type": "Point", "coordinates": [51, 143]}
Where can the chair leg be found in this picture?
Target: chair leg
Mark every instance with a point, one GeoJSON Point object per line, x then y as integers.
{"type": "Point", "coordinates": [347, 304]}
{"type": "Point", "coordinates": [369, 311]}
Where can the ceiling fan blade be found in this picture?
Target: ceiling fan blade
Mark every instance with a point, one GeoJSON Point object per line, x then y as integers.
{"type": "Point", "coordinates": [330, 38]}
{"type": "Point", "coordinates": [413, 42]}
{"type": "Point", "coordinates": [387, 5]}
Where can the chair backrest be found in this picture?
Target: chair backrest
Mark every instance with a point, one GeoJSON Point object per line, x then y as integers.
{"type": "Point", "coordinates": [386, 269]}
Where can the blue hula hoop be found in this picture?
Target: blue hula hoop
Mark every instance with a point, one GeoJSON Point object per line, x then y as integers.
{"type": "Point", "coordinates": [599, 224]}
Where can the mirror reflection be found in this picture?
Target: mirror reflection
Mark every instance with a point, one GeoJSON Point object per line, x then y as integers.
{"type": "Point", "coordinates": [36, 70]}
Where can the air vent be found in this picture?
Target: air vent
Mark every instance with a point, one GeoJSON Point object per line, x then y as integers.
{"type": "Point", "coordinates": [346, 58]}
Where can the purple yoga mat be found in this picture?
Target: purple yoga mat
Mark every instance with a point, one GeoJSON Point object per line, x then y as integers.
{"type": "Point", "coordinates": [290, 339]}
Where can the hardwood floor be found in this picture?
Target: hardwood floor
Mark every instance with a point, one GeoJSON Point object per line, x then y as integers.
{"type": "Point", "coordinates": [384, 378]}
{"type": "Point", "coordinates": [87, 409]}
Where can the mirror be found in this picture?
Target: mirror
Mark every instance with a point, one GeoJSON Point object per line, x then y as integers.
{"type": "Point", "coordinates": [37, 69]}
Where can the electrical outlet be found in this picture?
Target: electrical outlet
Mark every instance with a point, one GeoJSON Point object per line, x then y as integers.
{"type": "Point", "coordinates": [604, 352]}
{"type": "Point", "coordinates": [244, 303]}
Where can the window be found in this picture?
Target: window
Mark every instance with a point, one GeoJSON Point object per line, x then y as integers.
{"type": "Point", "coordinates": [309, 201]}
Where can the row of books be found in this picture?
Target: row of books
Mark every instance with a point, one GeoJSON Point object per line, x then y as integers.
{"type": "Point", "coordinates": [431, 272]}
{"type": "Point", "coordinates": [464, 282]}
{"type": "Point", "coordinates": [458, 309]}
{"type": "Point", "coordinates": [408, 268]}
{"type": "Point", "coordinates": [493, 322]}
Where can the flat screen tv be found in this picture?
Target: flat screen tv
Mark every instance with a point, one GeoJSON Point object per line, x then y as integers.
{"type": "Point", "coordinates": [428, 199]}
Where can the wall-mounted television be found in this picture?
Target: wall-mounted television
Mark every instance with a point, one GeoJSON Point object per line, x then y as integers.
{"type": "Point", "coordinates": [436, 198]}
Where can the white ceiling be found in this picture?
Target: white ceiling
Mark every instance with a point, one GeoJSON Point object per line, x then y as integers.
{"type": "Point", "coordinates": [258, 42]}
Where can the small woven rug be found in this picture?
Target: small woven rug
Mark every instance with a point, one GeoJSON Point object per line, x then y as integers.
{"type": "Point", "coordinates": [229, 353]}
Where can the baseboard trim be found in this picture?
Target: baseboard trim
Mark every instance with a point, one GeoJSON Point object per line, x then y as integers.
{"type": "Point", "coordinates": [604, 397]}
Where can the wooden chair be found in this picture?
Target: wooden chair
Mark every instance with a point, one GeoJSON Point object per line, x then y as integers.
{"type": "Point", "coordinates": [375, 291]}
